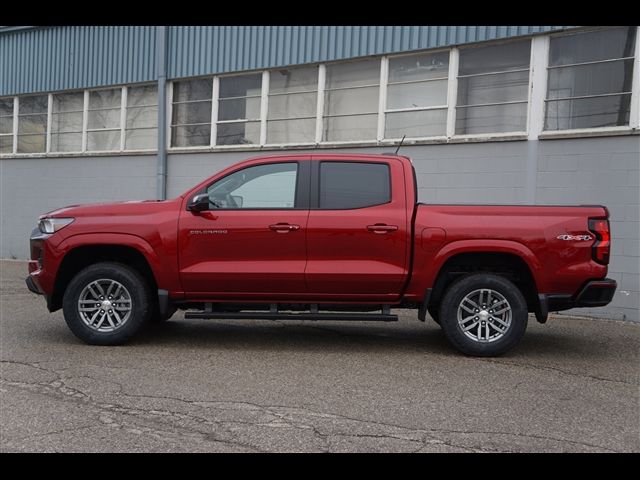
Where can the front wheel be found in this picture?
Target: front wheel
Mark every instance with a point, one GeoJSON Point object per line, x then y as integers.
{"type": "Point", "coordinates": [483, 315]}
{"type": "Point", "coordinates": [106, 303]}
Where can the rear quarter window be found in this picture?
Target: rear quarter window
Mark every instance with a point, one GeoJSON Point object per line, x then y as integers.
{"type": "Point", "coordinates": [347, 185]}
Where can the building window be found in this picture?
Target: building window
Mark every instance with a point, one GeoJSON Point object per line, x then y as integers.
{"type": "Point", "coordinates": [293, 98]}
{"type": "Point", "coordinates": [351, 101]}
{"type": "Point", "coordinates": [239, 101]}
{"type": "Point", "coordinates": [417, 96]}
{"type": "Point", "coordinates": [589, 79]}
{"type": "Point", "coordinates": [66, 122]}
{"type": "Point", "coordinates": [141, 131]}
{"type": "Point", "coordinates": [493, 88]}
{"type": "Point", "coordinates": [103, 124]}
{"type": "Point", "coordinates": [32, 124]}
{"type": "Point", "coordinates": [191, 113]}
{"type": "Point", "coordinates": [6, 125]}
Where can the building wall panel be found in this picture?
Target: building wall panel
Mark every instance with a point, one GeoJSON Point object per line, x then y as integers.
{"type": "Point", "coordinates": [44, 59]}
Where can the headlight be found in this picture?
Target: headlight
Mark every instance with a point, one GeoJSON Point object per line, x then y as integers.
{"type": "Point", "coordinates": [52, 225]}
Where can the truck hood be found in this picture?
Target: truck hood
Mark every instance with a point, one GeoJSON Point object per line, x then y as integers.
{"type": "Point", "coordinates": [134, 207]}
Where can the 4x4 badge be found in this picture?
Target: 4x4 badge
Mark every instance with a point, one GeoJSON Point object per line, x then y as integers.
{"type": "Point", "coordinates": [575, 237]}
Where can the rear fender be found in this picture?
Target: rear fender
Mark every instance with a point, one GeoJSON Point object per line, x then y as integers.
{"type": "Point", "coordinates": [426, 273]}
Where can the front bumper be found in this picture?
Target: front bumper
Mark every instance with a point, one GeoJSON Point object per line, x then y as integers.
{"type": "Point", "coordinates": [40, 279]}
{"type": "Point", "coordinates": [595, 293]}
{"type": "Point", "coordinates": [31, 285]}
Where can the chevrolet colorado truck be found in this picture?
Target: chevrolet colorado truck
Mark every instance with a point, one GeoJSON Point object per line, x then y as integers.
{"type": "Point", "coordinates": [319, 237]}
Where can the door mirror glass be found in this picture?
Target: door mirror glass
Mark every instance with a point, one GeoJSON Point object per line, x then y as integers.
{"type": "Point", "coordinates": [238, 200]}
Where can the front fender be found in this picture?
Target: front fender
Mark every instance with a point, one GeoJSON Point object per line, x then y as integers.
{"type": "Point", "coordinates": [163, 271]}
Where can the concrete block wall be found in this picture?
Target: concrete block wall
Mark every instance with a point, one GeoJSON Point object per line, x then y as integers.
{"type": "Point", "coordinates": [602, 170]}
{"type": "Point", "coordinates": [30, 187]}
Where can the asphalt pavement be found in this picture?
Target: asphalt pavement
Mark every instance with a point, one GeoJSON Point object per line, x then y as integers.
{"type": "Point", "coordinates": [572, 385]}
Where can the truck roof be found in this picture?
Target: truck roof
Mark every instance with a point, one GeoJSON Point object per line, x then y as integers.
{"type": "Point", "coordinates": [314, 155]}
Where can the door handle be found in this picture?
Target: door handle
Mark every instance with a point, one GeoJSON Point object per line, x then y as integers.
{"type": "Point", "coordinates": [284, 227]}
{"type": "Point", "coordinates": [382, 228]}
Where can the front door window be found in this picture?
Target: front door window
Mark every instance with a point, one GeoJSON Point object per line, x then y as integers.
{"type": "Point", "coordinates": [271, 186]}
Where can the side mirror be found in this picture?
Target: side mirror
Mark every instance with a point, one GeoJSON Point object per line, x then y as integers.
{"type": "Point", "coordinates": [237, 199]}
{"type": "Point", "coordinates": [199, 203]}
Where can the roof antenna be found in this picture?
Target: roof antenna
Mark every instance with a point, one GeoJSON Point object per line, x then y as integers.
{"type": "Point", "coordinates": [400, 144]}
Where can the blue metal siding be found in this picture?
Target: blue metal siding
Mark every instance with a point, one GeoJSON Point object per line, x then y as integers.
{"type": "Point", "coordinates": [63, 58]}
{"type": "Point", "coordinates": [237, 48]}
{"type": "Point", "coordinates": [71, 57]}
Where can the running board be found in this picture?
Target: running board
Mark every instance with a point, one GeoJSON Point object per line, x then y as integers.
{"type": "Point", "coordinates": [275, 315]}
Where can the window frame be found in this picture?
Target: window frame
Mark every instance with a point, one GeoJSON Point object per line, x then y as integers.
{"type": "Point", "coordinates": [85, 130]}
{"type": "Point", "coordinates": [301, 195]}
{"type": "Point", "coordinates": [125, 117]}
{"type": "Point", "coordinates": [16, 125]}
{"type": "Point", "coordinates": [12, 134]}
{"type": "Point", "coordinates": [261, 117]}
{"type": "Point", "coordinates": [634, 113]}
{"type": "Point", "coordinates": [383, 110]}
{"type": "Point", "coordinates": [171, 103]}
{"type": "Point", "coordinates": [82, 131]}
{"type": "Point", "coordinates": [516, 134]}
{"type": "Point", "coordinates": [316, 91]}
{"type": "Point", "coordinates": [316, 185]}
{"type": "Point", "coordinates": [319, 140]}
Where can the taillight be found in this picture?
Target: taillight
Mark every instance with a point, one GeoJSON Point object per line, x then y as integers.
{"type": "Point", "coordinates": [600, 228]}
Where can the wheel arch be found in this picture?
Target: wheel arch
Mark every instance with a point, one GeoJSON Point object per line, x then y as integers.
{"type": "Point", "coordinates": [82, 254]}
{"type": "Point", "coordinates": [507, 262]}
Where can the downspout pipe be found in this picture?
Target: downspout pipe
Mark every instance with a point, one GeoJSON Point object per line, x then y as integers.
{"type": "Point", "coordinates": [161, 62]}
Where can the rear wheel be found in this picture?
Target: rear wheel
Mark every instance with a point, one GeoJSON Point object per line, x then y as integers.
{"type": "Point", "coordinates": [483, 315]}
{"type": "Point", "coordinates": [106, 303]}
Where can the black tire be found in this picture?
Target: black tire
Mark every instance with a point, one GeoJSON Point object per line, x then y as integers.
{"type": "Point", "coordinates": [137, 288]}
{"type": "Point", "coordinates": [503, 342]}
{"type": "Point", "coordinates": [434, 312]}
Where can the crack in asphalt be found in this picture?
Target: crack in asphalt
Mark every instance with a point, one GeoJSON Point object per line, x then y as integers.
{"type": "Point", "coordinates": [58, 389]}
{"type": "Point", "coordinates": [55, 432]}
{"type": "Point", "coordinates": [558, 370]}
{"type": "Point", "coordinates": [269, 408]}
{"type": "Point", "coordinates": [428, 436]}
{"type": "Point", "coordinates": [149, 425]}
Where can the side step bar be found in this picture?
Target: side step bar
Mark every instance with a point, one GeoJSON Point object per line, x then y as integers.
{"type": "Point", "coordinates": [274, 314]}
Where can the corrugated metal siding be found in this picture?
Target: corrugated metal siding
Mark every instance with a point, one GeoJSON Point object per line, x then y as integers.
{"type": "Point", "coordinates": [62, 58]}
{"type": "Point", "coordinates": [68, 57]}
{"type": "Point", "coordinates": [195, 50]}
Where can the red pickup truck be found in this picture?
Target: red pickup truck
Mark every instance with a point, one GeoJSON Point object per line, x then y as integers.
{"type": "Point", "coordinates": [322, 236]}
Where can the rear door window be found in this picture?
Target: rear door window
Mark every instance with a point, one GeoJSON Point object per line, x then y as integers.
{"type": "Point", "coordinates": [347, 185]}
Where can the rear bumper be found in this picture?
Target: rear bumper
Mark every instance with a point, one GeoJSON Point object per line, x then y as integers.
{"type": "Point", "coordinates": [595, 293]}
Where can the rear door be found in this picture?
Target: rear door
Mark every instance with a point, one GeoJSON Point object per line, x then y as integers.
{"type": "Point", "coordinates": [358, 229]}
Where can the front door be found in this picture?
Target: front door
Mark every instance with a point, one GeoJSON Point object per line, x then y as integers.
{"type": "Point", "coordinates": [251, 241]}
